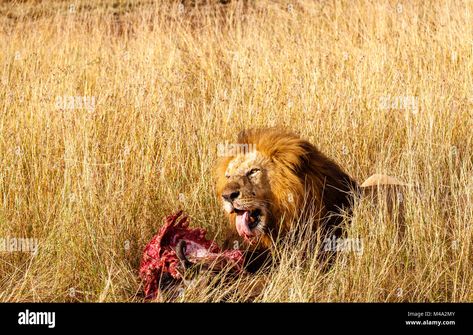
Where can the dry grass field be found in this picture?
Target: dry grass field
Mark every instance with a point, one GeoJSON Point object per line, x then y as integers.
{"type": "Point", "coordinates": [112, 111]}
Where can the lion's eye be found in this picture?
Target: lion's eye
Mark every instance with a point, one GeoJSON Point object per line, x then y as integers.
{"type": "Point", "coordinates": [227, 176]}
{"type": "Point", "coordinates": [252, 172]}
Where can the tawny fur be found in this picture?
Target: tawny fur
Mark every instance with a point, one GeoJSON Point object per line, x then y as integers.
{"type": "Point", "coordinates": [301, 178]}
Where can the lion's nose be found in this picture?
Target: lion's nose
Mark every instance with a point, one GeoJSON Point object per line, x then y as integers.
{"type": "Point", "coordinates": [230, 196]}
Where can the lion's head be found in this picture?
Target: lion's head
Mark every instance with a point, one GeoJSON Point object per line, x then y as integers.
{"type": "Point", "coordinates": [269, 176]}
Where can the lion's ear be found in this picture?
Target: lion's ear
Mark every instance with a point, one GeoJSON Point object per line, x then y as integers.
{"type": "Point", "coordinates": [241, 134]}
{"type": "Point", "coordinates": [244, 135]}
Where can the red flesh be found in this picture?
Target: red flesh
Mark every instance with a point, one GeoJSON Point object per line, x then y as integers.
{"type": "Point", "coordinates": [160, 260]}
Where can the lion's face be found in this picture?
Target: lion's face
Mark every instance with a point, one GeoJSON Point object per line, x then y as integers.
{"type": "Point", "coordinates": [284, 180]}
{"type": "Point", "coordinates": [246, 195]}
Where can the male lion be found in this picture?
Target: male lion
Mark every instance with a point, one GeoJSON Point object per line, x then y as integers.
{"type": "Point", "coordinates": [264, 191]}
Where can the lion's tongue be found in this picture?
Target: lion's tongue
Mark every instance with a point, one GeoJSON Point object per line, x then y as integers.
{"type": "Point", "coordinates": [243, 224]}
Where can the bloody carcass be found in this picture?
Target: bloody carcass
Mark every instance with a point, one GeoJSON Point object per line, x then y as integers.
{"type": "Point", "coordinates": [175, 249]}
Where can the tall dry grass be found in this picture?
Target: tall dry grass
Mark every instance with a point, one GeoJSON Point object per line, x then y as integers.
{"type": "Point", "coordinates": [380, 86]}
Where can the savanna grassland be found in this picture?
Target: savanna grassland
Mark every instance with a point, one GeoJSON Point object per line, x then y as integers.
{"type": "Point", "coordinates": [111, 113]}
